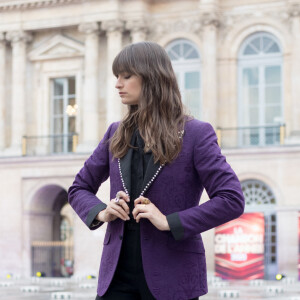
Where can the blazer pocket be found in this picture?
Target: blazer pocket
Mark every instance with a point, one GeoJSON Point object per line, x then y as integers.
{"type": "Point", "coordinates": [106, 238]}
{"type": "Point", "coordinates": [194, 244]}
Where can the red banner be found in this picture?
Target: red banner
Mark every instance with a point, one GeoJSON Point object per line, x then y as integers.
{"type": "Point", "coordinates": [239, 248]}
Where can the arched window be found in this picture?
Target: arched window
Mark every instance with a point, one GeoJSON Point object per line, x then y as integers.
{"type": "Point", "coordinates": [260, 90]}
{"type": "Point", "coordinates": [187, 65]}
{"type": "Point", "coordinates": [260, 198]}
{"type": "Point", "coordinates": [257, 193]}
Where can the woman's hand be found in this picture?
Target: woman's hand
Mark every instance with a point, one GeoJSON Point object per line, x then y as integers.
{"type": "Point", "coordinates": [150, 212]}
{"type": "Point", "coordinates": [115, 210]}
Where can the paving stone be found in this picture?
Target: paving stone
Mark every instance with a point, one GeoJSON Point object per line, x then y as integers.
{"type": "Point", "coordinates": [228, 294]}
{"type": "Point", "coordinates": [30, 289]}
{"type": "Point", "coordinates": [61, 295]}
{"type": "Point", "coordinates": [6, 283]}
{"type": "Point", "coordinates": [82, 289]}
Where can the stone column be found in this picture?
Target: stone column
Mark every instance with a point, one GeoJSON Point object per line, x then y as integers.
{"type": "Point", "coordinates": [209, 69]}
{"type": "Point", "coordinates": [287, 253]}
{"type": "Point", "coordinates": [2, 90]}
{"type": "Point", "coordinates": [295, 74]}
{"type": "Point", "coordinates": [138, 30]}
{"type": "Point", "coordinates": [114, 31]}
{"type": "Point", "coordinates": [18, 41]}
{"type": "Point", "coordinates": [89, 137]}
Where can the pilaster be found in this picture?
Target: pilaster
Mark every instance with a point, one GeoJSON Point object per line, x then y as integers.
{"type": "Point", "coordinates": [2, 90]}
{"type": "Point", "coordinates": [89, 138]}
{"type": "Point", "coordinates": [210, 25]}
{"type": "Point", "coordinates": [294, 18]}
{"type": "Point", "coordinates": [114, 29]}
{"type": "Point", "coordinates": [18, 40]}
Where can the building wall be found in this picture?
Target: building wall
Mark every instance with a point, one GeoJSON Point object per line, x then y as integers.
{"type": "Point", "coordinates": [51, 39]}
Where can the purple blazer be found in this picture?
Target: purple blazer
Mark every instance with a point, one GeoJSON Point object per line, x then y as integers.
{"type": "Point", "coordinates": [173, 261]}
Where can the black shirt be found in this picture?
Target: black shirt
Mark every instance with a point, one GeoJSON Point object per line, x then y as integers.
{"type": "Point", "coordinates": [139, 164]}
{"type": "Point", "coordinates": [130, 261]}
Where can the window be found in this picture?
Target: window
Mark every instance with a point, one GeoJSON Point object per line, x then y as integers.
{"type": "Point", "coordinates": [260, 198]}
{"type": "Point", "coordinates": [64, 109]}
{"type": "Point", "coordinates": [65, 229]}
{"type": "Point", "coordinates": [187, 65]}
{"type": "Point", "coordinates": [260, 90]}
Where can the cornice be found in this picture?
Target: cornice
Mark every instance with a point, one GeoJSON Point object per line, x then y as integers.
{"type": "Point", "coordinates": [29, 4]}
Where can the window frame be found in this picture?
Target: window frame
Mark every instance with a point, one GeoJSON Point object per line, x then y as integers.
{"type": "Point", "coordinates": [65, 98]}
{"type": "Point", "coordinates": [183, 66]}
{"type": "Point", "coordinates": [260, 61]}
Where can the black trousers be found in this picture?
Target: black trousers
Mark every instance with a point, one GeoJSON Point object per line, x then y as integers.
{"type": "Point", "coordinates": [129, 281]}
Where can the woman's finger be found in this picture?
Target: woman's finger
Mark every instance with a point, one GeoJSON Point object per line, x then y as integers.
{"type": "Point", "coordinates": [144, 215]}
{"type": "Point", "coordinates": [118, 207]}
{"type": "Point", "coordinates": [118, 212]}
{"type": "Point", "coordinates": [123, 195]}
{"type": "Point", "coordinates": [137, 201]}
{"type": "Point", "coordinates": [141, 200]}
{"type": "Point", "coordinates": [124, 205]}
{"type": "Point", "coordinates": [139, 208]}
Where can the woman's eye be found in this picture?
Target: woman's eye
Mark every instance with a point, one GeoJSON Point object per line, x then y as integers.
{"type": "Point", "coordinates": [127, 76]}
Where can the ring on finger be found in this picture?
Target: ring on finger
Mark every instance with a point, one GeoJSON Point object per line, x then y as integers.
{"type": "Point", "coordinates": [118, 198]}
{"type": "Point", "coordinates": [117, 201]}
{"type": "Point", "coordinates": [145, 201]}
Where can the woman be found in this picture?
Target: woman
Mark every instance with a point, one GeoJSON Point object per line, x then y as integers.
{"type": "Point", "coordinates": [159, 161]}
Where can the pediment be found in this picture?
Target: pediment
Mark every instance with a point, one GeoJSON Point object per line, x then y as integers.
{"type": "Point", "coordinates": [57, 47]}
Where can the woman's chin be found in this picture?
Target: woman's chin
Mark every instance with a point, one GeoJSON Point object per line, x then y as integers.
{"type": "Point", "coordinates": [128, 102]}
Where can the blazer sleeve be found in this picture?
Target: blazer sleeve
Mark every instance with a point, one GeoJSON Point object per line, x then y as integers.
{"type": "Point", "coordinates": [82, 193]}
{"type": "Point", "coordinates": [222, 186]}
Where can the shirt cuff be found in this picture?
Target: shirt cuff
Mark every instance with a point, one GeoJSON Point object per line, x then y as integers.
{"type": "Point", "coordinates": [91, 222]}
{"type": "Point", "coordinates": [175, 226]}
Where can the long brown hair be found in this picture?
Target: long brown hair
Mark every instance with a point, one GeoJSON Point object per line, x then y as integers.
{"type": "Point", "coordinates": [159, 114]}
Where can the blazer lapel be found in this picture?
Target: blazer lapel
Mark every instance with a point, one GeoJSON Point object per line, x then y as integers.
{"type": "Point", "coordinates": [151, 173]}
{"type": "Point", "coordinates": [125, 167]}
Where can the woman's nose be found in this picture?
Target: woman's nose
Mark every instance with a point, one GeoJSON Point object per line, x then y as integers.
{"type": "Point", "coordinates": [118, 84]}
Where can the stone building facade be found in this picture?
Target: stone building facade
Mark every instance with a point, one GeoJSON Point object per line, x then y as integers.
{"type": "Point", "coordinates": [238, 67]}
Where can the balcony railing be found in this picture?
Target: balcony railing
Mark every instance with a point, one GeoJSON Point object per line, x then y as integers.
{"type": "Point", "coordinates": [251, 136]}
{"type": "Point", "coordinates": [50, 144]}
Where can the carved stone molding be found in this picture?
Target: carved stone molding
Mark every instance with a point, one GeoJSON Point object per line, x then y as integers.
{"type": "Point", "coordinates": [294, 10]}
{"type": "Point", "coordinates": [18, 36]}
{"type": "Point", "coordinates": [112, 26]}
{"type": "Point", "coordinates": [230, 21]}
{"type": "Point", "coordinates": [27, 4]}
{"type": "Point", "coordinates": [89, 28]}
{"type": "Point", "coordinates": [191, 25]}
{"type": "Point", "coordinates": [139, 25]}
{"type": "Point", "coordinates": [210, 19]}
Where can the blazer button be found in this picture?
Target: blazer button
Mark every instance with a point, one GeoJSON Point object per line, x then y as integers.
{"type": "Point", "coordinates": [121, 237]}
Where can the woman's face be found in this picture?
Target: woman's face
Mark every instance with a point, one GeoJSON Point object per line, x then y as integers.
{"type": "Point", "coordinates": [130, 87]}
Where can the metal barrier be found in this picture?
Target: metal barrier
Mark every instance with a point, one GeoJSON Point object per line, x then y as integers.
{"type": "Point", "coordinates": [251, 136]}
{"type": "Point", "coordinates": [52, 259]}
{"type": "Point", "coordinates": [49, 144]}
